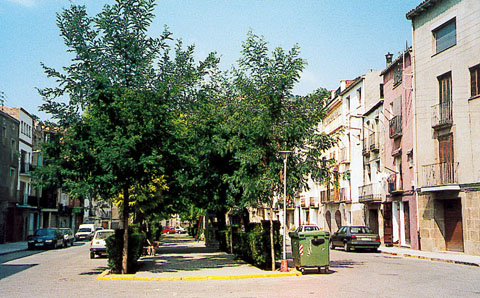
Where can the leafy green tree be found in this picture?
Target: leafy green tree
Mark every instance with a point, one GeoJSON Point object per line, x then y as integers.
{"type": "Point", "coordinates": [277, 121]}
{"type": "Point", "coordinates": [118, 126]}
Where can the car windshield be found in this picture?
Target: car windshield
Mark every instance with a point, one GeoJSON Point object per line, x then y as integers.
{"type": "Point", "coordinates": [45, 232]}
{"type": "Point", "coordinates": [85, 230]}
{"type": "Point", "coordinates": [103, 235]}
{"type": "Point", "coordinates": [310, 228]}
{"type": "Point", "coordinates": [361, 230]}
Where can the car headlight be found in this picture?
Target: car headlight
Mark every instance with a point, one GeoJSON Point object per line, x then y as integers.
{"type": "Point", "coordinates": [48, 240]}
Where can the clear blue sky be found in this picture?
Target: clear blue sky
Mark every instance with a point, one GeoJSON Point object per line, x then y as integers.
{"type": "Point", "coordinates": [340, 39]}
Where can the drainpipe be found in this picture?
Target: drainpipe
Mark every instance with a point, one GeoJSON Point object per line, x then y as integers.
{"type": "Point", "coordinates": [415, 142]}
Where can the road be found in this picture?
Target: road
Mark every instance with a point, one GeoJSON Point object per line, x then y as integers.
{"type": "Point", "coordinates": [69, 272]}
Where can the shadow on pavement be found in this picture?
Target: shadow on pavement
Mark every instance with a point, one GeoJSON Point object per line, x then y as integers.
{"type": "Point", "coordinates": [7, 270]}
{"type": "Point", "coordinates": [185, 263]}
{"type": "Point", "coordinates": [345, 264]}
{"type": "Point", "coordinates": [19, 255]}
{"type": "Point", "coordinates": [95, 271]}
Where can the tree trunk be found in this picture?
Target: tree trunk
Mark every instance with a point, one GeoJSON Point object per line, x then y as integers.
{"type": "Point", "coordinates": [272, 247]}
{"type": "Point", "coordinates": [231, 239]}
{"type": "Point", "coordinates": [125, 233]}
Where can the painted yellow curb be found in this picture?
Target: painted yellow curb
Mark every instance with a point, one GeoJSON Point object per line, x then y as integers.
{"type": "Point", "coordinates": [107, 276]}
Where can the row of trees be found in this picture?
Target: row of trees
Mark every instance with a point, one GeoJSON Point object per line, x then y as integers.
{"type": "Point", "coordinates": [141, 122]}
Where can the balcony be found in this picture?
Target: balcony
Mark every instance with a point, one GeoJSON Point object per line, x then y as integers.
{"type": "Point", "coordinates": [442, 115]}
{"type": "Point", "coordinates": [372, 140]}
{"type": "Point", "coordinates": [395, 184]}
{"type": "Point", "coordinates": [25, 168]}
{"type": "Point", "coordinates": [395, 127]}
{"type": "Point", "coordinates": [344, 195]}
{"type": "Point", "coordinates": [33, 201]}
{"type": "Point", "coordinates": [372, 192]}
{"type": "Point", "coordinates": [439, 174]}
{"type": "Point", "coordinates": [366, 147]}
{"type": "Point", "coordinates": [343, 156]}
{"type": "Point", "coordinates": [324, 196]}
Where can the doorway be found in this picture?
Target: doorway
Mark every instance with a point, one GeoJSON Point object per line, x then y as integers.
{"type": "Point", "coordinates": [373, 220]}
{"type": "Point", "coordinates": [453, 225]}
{"type": "Point", "coordinates": [387, 224]}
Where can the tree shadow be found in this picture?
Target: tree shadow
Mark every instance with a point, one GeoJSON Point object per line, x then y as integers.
{"type": "Point", "coordinates": [95, 271]}
{"type": "Point", "coordinates": [186, 263]}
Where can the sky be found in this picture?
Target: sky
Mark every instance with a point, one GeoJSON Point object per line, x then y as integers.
{"type": "Point", "coordinates": [339, 39]}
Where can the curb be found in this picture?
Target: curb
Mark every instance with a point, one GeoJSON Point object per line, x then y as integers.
{"type": "Point", "coordinates": [431, 259]}
{"type": "Point", "coordinates": [107, 276]}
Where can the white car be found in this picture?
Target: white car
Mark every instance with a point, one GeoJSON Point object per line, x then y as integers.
{"type": "Point", "coordinates": [97, 245]}
{"type": "Point", "coordinates": [180, 230]}
{"type": "Point", "coordinates": [307, 228]}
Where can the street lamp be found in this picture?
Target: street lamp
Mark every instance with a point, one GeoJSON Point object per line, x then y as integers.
{"type": "Point", "coordinates": [284, 264]}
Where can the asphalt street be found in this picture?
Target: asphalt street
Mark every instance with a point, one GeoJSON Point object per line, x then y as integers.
{"type": "Point", "coordinates": [69, 272]}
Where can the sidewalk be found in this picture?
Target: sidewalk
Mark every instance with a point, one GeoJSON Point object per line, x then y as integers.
{"type": "Point", "coordinates": [10, 247]}
{"type": "Point", "coordinates": [180, 257]}
{"type": "Point", "coordinates": [448, 257]}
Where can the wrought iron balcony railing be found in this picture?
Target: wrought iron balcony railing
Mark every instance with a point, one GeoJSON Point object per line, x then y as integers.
{"type": "Point", "coordinates": [440, 174]}
{"type": "Point", "coordinates": [371, 192]}
{"type": "Point", "coordinates": [442, 115]}
{"type": "Point", "coordinates": [395, 126]}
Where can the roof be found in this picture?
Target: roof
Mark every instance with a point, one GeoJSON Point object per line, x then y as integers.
{"type": "Point", "coordinates": [399, 58]}
{"type": "Point", "coordinates": [425, 5]}
{"type": "Point", "coordinates": [353, 84]}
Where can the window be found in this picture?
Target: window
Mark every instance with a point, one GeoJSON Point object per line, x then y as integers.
{"type": "Point", "coordinates": [381, 90]}
{"type": "Point", "coordinates": [359, 95]}
{"type": "Point", "coordinates": [445, 36]}
{"type": "Point", "coordinates": [475, 80]}
{"type": "Point", "coordinates": [445, 84]}
{"type": "Point", "coordinates": [410, 159]}
{"type": "Point", "coordinates": [397, 74]}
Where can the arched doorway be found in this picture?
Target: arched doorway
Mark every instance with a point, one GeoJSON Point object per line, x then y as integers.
{"type": "Point", "coordinates": [328, 219]}
{"type": "Point", "coordinates": [338, 218]}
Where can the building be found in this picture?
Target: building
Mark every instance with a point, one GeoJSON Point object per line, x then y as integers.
{"type": "Point", "coordinates": [27, 202]}
{"type": "Point", "coordinates": [10, 216]}
{"type": "Point", "coordinates": [371, 193]}
{"type": "Point", "coordinates": [400, 207]}
{"type": "Point", "coordinates": [446, 51]}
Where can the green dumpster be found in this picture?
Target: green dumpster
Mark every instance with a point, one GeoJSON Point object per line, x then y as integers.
{"type": "Point", "coordinates": [311, 250]}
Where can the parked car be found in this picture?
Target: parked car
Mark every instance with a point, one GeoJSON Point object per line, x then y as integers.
{"type": "Point", "coordinates": [68, 237]}
{"type": "Point", "coordinates": [168, 230]}
{"type": "Point", "coordinates": [180, 230]}
{"type": "Point", "coordinates": [85, 232]}
{"type": "Point", "coordinates": [307, 228]}
{"type": "Point", "coordinates": [46, 238]}
{"type": "Point", "coordinates": [97, 245]}
{"type": "Point", "coordinates": [355, 237]}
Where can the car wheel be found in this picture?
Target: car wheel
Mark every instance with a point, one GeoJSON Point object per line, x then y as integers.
{"type": "Point", "coordinates": [346, 246]}
{"type": "Point", "coordinates": [92, 255]}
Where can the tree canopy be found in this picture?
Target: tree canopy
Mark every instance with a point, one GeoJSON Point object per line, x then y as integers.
{"type": "Point", "coordinates": [133, 112]}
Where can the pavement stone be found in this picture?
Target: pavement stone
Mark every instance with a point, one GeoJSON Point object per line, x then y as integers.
{"type": "Point", "coordinates": [442, 256]}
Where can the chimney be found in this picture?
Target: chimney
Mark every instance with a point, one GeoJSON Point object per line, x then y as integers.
{"type": "Point", "coordinates": [388, 58]}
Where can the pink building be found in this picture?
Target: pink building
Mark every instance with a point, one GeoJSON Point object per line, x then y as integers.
{"type": "Point", "coordinates": [400, 207]}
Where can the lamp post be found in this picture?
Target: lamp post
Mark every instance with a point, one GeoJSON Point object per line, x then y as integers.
{"type": "Point", "coordinates": [284, 264]}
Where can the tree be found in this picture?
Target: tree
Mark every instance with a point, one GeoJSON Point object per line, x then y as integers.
{"type": "Point", "coordinates": [118, 127]}
{"type": "Point", "coordinates": [277, 120]}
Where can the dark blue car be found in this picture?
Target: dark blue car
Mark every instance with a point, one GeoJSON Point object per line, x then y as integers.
{"type": "Point", "coordinates": [46, 238]}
